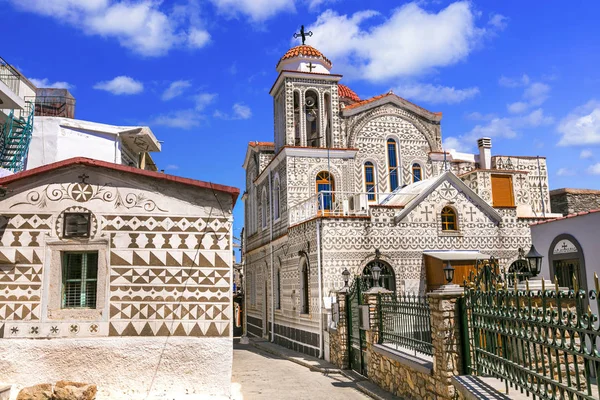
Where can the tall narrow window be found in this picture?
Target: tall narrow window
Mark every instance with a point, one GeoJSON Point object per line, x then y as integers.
{"type": "Point", "coordinates": [276, 199]}
{"type": "Point", "coordinates": [327, 120]}
{"type": "Point", "coordinates": [80, 280]}
{"type": "Point", "coordinates": [278, 289]}
{"type": "Point", "coordinates": [416, 172]}
{"type": "Point", "coordinates": [449, 219]}
{"type": "Point", "coordinates": [311, 108]}
{"type": "Point", "coordinates": [305, 288]}
{"type": "Point", "coordinates": [325, 184]}
{"type": "Point", "coordinates": [264, 208]}
{"type": "Point", "coordinates": [370, 180]}
{"type": "Point", "coordinates": [392, 149]}
{"type": "Point", "coordinates": [297, 112]}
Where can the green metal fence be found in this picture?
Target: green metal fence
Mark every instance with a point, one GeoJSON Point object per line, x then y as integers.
{"type": "Point", "coordinates": [545, 343]}
{"type": "Point", "coordinates": [405, 323]}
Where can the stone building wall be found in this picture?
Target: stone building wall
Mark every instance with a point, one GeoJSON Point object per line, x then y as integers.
{"type": "Point", "coordinates": [570, 201]}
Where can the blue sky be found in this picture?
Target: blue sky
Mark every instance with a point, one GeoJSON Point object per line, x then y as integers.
{"type": "Point", "coordinates": [198, 72]}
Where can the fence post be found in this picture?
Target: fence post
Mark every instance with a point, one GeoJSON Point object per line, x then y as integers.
{"type": "Point", "coordinates": [372, 298]}
{"type": "Point", "coordinates": [446, 339]}
{"type": "Point", "coordinates": [338, 338]}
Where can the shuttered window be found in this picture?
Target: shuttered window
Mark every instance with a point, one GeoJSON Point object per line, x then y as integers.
{"type": "Point", "coordinates": [502, 191]}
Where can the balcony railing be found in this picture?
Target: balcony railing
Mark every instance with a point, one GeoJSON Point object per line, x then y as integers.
{"type": "Point", "coordinates": [9, 76]}
{"type": "Point", "coordinates": [336, 204]}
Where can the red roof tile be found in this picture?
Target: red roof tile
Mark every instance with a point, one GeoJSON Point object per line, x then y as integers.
{"type": "Point", "coordinates": [306, 51]}
{"type": "Point", "coordinates": [567, 216]}
{"type": "Point", "coordinates": [254, 144]}
{"type": "Point", "coordinates": [345, 91]}
{"type": "Point", "coordinates": [375, 98]}
{"type": "Point", "coordinates": [234, 192]}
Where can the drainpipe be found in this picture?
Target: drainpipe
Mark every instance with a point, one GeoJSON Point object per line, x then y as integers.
{"type": "Point", "coordinates": [272, 256]}
{"type": "Point", "coordinates": [320, 288]}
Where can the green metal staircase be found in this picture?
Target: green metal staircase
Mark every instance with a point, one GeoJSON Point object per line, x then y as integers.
{"type": "Point", "coordinates": [15, 137]}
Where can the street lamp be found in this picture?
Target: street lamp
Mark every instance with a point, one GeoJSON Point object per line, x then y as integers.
{"type": "Point", "coordinates": [376, 271]}
{"type": "Point", "coordinates": [346, 275]}
{"type": "Point", "coordinates": [449, 272]}
{"type": "Point", "coordinates": [535, 261]}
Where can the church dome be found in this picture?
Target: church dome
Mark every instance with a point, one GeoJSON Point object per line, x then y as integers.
{"type": "Point", "coordinates": [304, 52]}
{"type": "Point", "coordinates": [346, 93]}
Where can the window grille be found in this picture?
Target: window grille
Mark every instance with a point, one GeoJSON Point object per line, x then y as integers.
{"type": "Point", "coordinates": [76, 225]}
{"type": "Point", "coordinates": [80, 280]}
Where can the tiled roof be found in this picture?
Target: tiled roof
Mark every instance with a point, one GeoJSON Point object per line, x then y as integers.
{"type": "Point", "coordinates": [579, 214]}
{"type": "Point", "coordinates": [234, 192]}
{"type": "Point", "coordinates": [345, 91]}
{"type": "Point", "coordinates": [255, 144]}
{"type": "Point", "coordinates": [381, 96]}
{"type": "Point", "coordinates": [304, 50]}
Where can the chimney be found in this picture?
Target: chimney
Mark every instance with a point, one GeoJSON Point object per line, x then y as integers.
{"type": "Point", "coordinates": [485, 153]}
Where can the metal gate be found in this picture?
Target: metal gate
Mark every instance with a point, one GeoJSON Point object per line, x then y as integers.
{"type": "Point", "coordinates": [356, 333]}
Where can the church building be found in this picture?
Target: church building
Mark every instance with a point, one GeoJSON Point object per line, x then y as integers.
{"type": "Point", "coordinates": [350, 183]}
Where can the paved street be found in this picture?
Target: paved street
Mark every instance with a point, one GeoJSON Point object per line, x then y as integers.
{"type": "Point", "coordinates": [259, 375]}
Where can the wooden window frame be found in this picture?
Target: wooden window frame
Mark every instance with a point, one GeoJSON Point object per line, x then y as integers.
{"type": "Point", "coordinates": [322, 180]}
{"type": "Point", "coordinates": [417, 166]}
{"type": "Point", "coordinates": [370, 186]}
{"type": "Point", "coordinates": [448, 211]}
{"type": "Point", "coordinates": [84, 302]}
{"type": "Point", "coordinates": [496, 203]}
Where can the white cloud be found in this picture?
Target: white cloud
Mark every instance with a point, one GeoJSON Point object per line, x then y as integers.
{"type": "Point", "coordinates": [436, 94]}
{"type": "Point", "coordinates": [514, 82]}
{"type": "Point", "coordinates": [477, 116]}
{"type": "Point", "coordinates": [198, 38]}
{"type": "Point", "coordinates": [175, 89]}
{"type": "Point", "coordinates": [181, 119]}
{"type": "Point", "coordinates": [535, 94]}
{"type": "Point", "coordinates": [139, 25]}
{"type": "Point", "coordinates": [585, 154]}
{"type": "Point", "coordinates": [45, 83]}
{"type": "Point", "coordinates": [582, 126]}
{"type": "Point", "coordinates": [498, 21]}
{"type": "Point", "coordinates": [565, 172]}
{"type": "Point", "coordinates": [517, 107]}
{"type": "Point", "coordinates": [172, 167]}
{"type": "Point", "coordinates": [594, 169]}
{"type": "Point", "coordinates": [453, 143]}
{"type": "Point", "coordinates": [121, 85]}
{"type": "Point", "coordinates": [533, 119]}
{"type": "Point", "coordinates": [256, 10]}
{"type": "Point", "coordinates": [239, 111]}
{"type": "Point", "coordinates": [202, 100]}
{"type": "Point", "coordinates": [412, 41]}
{"type": "Point", "coordinates": [314, 5]}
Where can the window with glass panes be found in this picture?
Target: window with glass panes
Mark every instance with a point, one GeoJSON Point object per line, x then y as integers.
{"type": "Point", "coordinates": [370, 180]}
{"type": "Point", "coordinates": [449, 219]}
{"type": "Point", "coordinates": [80, 279]}
{"type": "Point", "coordinates": [392, 163]}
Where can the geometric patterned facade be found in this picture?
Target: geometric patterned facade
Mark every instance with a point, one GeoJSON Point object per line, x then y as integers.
{"type": "Point", "coordinates": [165, 245]}
{"type": "Point", "coordinates": [276, 248]}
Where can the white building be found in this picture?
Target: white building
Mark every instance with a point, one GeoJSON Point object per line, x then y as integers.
{"type": "Point", "coordinates": [347, 183]}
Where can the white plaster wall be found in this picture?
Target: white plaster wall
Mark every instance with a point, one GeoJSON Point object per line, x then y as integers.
{"type": "Point", "coordinates": [583, 228]}
{"type": "Point", "coordinates": [124, 367]}
{"type": "Point", "coordinates": [53, 141]}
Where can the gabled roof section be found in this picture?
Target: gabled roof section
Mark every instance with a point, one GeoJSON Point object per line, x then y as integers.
{"type": "Point", "coordinates": [234, 192]}
{"type": "Point", "coordinates": [410, 196]}
{"type": "Point", "coordinates": [257, 146]}
{"type": "Point", "coordinates": [390, 97]}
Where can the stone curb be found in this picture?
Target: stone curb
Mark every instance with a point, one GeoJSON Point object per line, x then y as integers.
{"type": "Point", "coordinates": [314, 368]}
{"type": "Point", "coordinates": [368, 387]}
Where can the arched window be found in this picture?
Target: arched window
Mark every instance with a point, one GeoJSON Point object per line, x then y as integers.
{"type": "Point", "coordinates": [392, 149]}
{"type": "Point", "coordinates": [449, 222]}
{"type": "Point", "coordinates": [264, 207]}
{"type": "Point", "coordinates": [370, 180]}
{"type": "Point", "coordinates": [304, 288]}
{"type": "Point", "coordinates": [387, 278]}
{"type": "Point", "coordinates": [325, 183]}
{"type": "Point", "coordinates": [311, 109]}
{"type": "Point", "coordinates": [278, 287]}
{"type": "Point", "coordinates": [276, 198]}
{"type": "Point", "coordinates": [416, 172]}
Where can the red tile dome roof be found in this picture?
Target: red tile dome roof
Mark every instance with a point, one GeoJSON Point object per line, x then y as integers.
{"type": "Point", "coordinates": [304, 51]}
{"type": "Point", "coordinates": [345, 91]}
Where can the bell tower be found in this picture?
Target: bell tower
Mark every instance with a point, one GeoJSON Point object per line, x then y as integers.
{"type": "Point", "coordinates": [306, 100]}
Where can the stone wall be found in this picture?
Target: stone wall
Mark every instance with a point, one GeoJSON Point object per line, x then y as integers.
{"type": "Point", "coordinates": [571, 201]}
{"type": "Point", "coordinates": [338, 337]}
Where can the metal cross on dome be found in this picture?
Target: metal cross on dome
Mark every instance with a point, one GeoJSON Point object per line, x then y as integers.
{"type": "Point", "coordinates": [302, 34]}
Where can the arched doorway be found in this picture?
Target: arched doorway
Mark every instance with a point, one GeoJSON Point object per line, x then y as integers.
{"type": "Point", "coordinates": [566, 259]}
{"type": "Point", "coordinates": [387, 278]}
{"type": "Point", "coordinates": [325, 183]}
